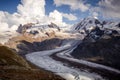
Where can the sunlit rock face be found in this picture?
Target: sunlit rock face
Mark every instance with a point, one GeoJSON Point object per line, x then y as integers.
{"type": "Point", "coordinates": [95, 29]}
{"type": "Point", "coordinates": [38, 30]}
{"type": "Point", "coordinates": [32, 33]}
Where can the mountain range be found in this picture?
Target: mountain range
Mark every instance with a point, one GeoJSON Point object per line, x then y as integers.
{"type": "Point", "coordinates": [97, 42]}
{"type": "Point", "coordinates": [101, 43]}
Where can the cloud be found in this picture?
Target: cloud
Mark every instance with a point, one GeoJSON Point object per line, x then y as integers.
{"type": "Point", "coordinates": [5, 26]}
{"type": "Point", "coordinates": [31, 11]}
{"type": "Point", "coordinates": [70, 16]}
{"type": "Point", "coordinates": [28, 11]}
{"type": "Point", "coordinates": [57, 18]}
{"type": "Point", "coordinates": [95, 14]}
{"type": "Point", "coordinates": [74, 4]}
{"type": "Point", "coordinates": [7, 21]}
{"type": "Point", "coordinates": [109, 8]}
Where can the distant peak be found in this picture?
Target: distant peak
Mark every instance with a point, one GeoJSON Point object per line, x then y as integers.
{"type": "Point", "coordinates": [90, 18]}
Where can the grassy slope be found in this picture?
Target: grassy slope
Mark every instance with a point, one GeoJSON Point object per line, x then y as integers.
{"type": "Point", "coordinates": [14, 67]}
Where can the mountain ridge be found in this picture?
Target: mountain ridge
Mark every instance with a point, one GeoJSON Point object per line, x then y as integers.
{"type": "Point", "coordinates": [100, 44]}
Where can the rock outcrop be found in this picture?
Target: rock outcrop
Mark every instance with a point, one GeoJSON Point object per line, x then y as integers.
{"type": "Point", "coordinates": [101, 44]}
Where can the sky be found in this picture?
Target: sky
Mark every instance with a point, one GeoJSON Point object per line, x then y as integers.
{"type": "Point", "coordinates": [60, 12]}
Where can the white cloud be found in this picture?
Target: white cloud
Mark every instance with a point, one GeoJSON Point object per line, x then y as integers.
{"type": "Point", "coordinates": [109, 8]}
{"type": "Point", "coordinates": [4, 26]}
{"type": "Point", "coordinates": [74, 4]}
{"type": "Point", "coordinates": [57, 18]}
{"type": "Point", "coordinates": [70, 16]}
{"type": "Point", "coordinates": [95, 15]}
{"type": "Point", "coordinates": [27, 12]}
{"type": "Point", "coordinates": [7, 21]}
{"type": "Point", "coordinates": [31, 11]}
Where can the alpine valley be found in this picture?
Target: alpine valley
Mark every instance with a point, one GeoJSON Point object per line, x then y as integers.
{"type": "Point", "coordinates": [88, 50]}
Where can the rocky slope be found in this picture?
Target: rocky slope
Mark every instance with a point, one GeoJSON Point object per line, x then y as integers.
{"type": "Point", "coordinates": [101, 43]}
{"type": "Point", "coordinates": [14, 41]}
{"type": "Point", "coordinates": [103, 51]}
{"type": "Point", "coordinates": [14, 67]}
{"type": "Point", "coordinates": [26, 47]}
{"type": "Point", "coordinates": [32, 34]}
{"type": "Point", "coordinates": [88, 25]}
{"type": "Point", "coordinates": [37, 29]}
{"type": "Point", "coordinates": [36, 37]}
{"type": "Point", "coordinates": [30, 38]}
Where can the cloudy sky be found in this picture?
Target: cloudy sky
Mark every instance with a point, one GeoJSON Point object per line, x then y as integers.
{"type": "Point", "coordinates": [61, 12]}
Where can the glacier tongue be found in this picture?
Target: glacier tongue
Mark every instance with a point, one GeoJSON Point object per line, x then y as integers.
{"type": "Point", "coordinates": [43, 60]}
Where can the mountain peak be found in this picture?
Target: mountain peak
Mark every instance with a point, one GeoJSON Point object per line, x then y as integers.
{"type": "Point", "coordinates": [87, 24]}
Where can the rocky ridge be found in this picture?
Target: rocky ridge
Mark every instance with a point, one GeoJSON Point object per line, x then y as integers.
{"type": "Point", "coordinates": [101, 42]}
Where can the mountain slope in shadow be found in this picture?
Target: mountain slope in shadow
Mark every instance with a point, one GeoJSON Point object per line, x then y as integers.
{"type": "Point", "coordinates": [26, 47]}
{"type": "Point", "coordinates": [103, 51]}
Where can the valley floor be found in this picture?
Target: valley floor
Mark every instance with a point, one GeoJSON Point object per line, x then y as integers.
{"type": "Point", "coordinates": [43, 60]}
{"type": "Point", "coordinates": [61, 63]}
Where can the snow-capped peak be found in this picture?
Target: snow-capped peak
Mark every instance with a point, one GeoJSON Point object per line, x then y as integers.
{"type": "Point", "coordinates": [94, 28]}
{"type": "Point", "coordinates": [38, 30]}
{"type": "Point", "coordinates": [87, 24]}
{"type": "Point", "coordinates": [30, 26]}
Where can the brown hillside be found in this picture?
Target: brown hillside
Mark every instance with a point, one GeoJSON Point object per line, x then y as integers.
{"type": "Point", "coordinates": [14, 67]}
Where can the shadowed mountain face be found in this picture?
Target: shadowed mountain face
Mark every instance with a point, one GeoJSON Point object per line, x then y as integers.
{"type": "Point", "coordinates": [14, 67]}
{"type": "Point", "coordinates": [30, 37]}
{"type": "Point", "coordinates": [100, 45]}
{"type": "Point", "coordinates": [27, 47]}
{"type": "Point", "coordinates": [103, 51]}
